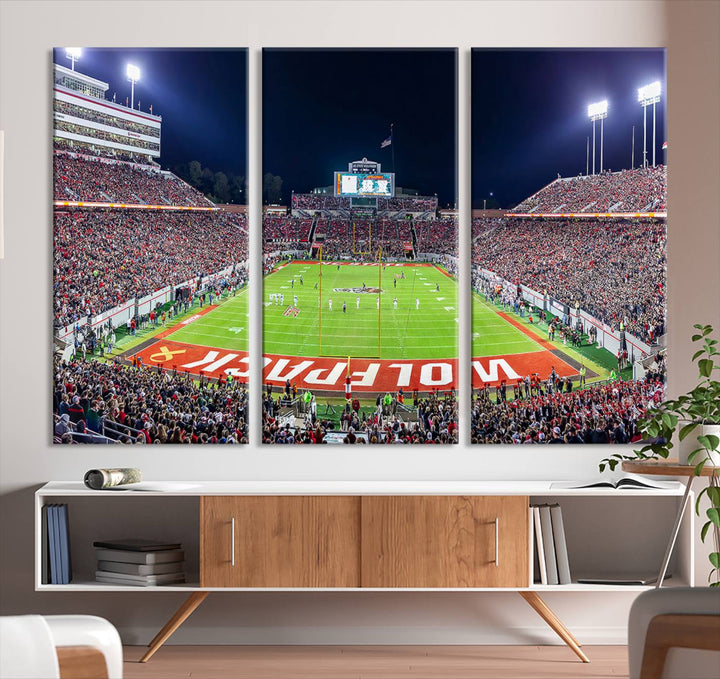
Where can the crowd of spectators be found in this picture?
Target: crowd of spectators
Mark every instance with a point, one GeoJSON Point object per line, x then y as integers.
{"type": "Point", "coordinates": [641, 190]}
{"type": "Point", "coordinates": [97, 151]}
{"type": "Point", "coordinates": [144, 405]}
{"type": "Point", "coordinates": [435, 422]}
{"type": "Point", "coordinates": [87, 179]}
{"type": "Point", "coordinates": [141, 144]}
{"type": "Point", "coordinates": [321, 202]}
{"type": "Point", "coordinates": [318, 202]}
{"type": "Point", "coordinates": [68, 109]}
{"type": "Point", "coordinates": [438, 235]}
{"type": "Point", "coordinates": [408, 204]}
{"type": "Point", "coordinates": [615, 270]}
{"type": "Point", "coordinates": [286, 229]}
{"type": "Point", "coordinates": [602, 413]}
{"type": "Point", "coordinates": [104, 257]}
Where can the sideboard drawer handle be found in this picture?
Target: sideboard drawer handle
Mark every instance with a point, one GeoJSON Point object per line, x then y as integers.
{"type": "Point", "coordinates": [232, 542]}
{"type": "Point", "coordinates": [497, 542]}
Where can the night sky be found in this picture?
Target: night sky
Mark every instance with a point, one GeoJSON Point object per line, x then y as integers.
{"type": "Point", "coordinates": [325, 108]}
{"type": "Point", "coordinates": [201, 95]}
{"type": "Point", "coordinates": [529, 115]}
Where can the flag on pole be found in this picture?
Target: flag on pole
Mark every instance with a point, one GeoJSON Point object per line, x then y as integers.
{"type": "Point", "coordinates": [387, 142]}
{"type": "Point", "coordinates": [664, 146]}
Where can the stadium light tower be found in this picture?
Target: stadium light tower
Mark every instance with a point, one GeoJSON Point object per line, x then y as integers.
{"type": "Point", "coordinates": [73, 53]}
{"type": "Point", "coordinates": [650, 94]}
{"type": "Point", "coordinates": [133, 74]}
{"type": "Point", "coordinates": [598, 111]}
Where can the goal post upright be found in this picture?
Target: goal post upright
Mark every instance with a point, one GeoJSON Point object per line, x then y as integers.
{"type": "Point", "coordinates": [379, 306]}
{"type": "Point", "coordinates": [320, 257]}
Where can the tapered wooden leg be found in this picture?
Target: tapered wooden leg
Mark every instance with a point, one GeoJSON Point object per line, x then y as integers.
{"type": "Point", "coordinates": [181, 615]}
{"type": "Point", "coordinates": [546, 613]}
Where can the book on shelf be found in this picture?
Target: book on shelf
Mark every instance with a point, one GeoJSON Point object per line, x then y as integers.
{"type": "Point", "coordinates": [65, 565]}
{"type": "Point", "coordinates": [625, 482]}
{"type": "Point", "coordinates": [549, 545]}
{"type": "Point", "coordinates": [561, 551]}
{"type": "Point", "coordinates": [129, 556]}
{"type": "Point", "coordinates": [45, 560]}
{"type": "Point", "coordinates": [137, 545]}
{"type": "Point", "coordinates": [623, 579]}
{"type": "Point", "coordinates": [53, 545]}
{"type": "Point", "coordinates": [140, 569]}
{"type": "Point", "coordinates": [139, 580]}
{"type": "Point", "coordinates": [539, 547]}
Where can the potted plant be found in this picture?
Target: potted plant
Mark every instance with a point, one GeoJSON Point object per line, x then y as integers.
{"type": "Point", "coordinates": [697, 411]}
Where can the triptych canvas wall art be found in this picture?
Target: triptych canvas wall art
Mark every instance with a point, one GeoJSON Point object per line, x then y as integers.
{"type": "Point", "coordinates": [360, 258]}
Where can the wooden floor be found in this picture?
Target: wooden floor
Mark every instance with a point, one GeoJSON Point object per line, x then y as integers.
{"type": "Point", "coordinates": [375, 662]}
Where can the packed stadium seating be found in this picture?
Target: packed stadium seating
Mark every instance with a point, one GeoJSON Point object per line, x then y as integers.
{"type": "Point", "coordinates": [361, 238]}
{"type": "Point", "coordinates": [615, 270]}
{"type": "Point", "coordinates": [149, 405]}
{"type": "Point", "coordinates": [83, 178]}
{"type": "Point", "coordinates": [641, 190]}
{"type": "Point", "coordinates": [436, 423]}
{"type": "Point", "coordinates": [440, 236]}
{"type": "Point", "coordinates": [603, 413]}
{"type": "Point", "coordinates": [104, 257]}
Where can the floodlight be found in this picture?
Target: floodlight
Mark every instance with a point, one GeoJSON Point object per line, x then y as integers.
{"type": "Point", "coordinates": [133, 73]}
{"type": "Point", "coordinates": [73, 53]}
{"type": "Point", "coordinates": [598, 109]}
{"type": "Point", "coordinates": [649, 95]}
{"type": "Point", "coordinates": [650, 92]}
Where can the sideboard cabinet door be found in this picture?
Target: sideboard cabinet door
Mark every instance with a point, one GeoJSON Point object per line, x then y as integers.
{"type": "Point", "coordinates": [289, 541]}
{"type": "Point", "coordinates": [445, 541]}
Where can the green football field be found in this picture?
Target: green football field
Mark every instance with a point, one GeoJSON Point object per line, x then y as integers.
{"type": "Point", "coordinates": [424, 324]}
{"type": "Point", "coordinates": [225, 327]}
{"type": "Point", "coordinates": [493, 335]}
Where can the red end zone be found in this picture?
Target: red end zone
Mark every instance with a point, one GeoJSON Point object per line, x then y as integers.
{"type": "Point", "coordinates": [367, 375]}
{"type": "Point", "coordinates": [490, 371]}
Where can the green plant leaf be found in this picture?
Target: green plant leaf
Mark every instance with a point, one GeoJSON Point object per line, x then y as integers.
{"type": "Point", "coordinates": [714, 516]}
{"type": "Point", "coordinates": [695, 338]}
{"type": "Point", "coordinates": [709, 441]}
{"type": "Point", "coordinates": [705, 366]}
{"type": "Point", "coordinates": [715, 559]}
{"type": "Point", "coordinates": [687, 429]}
{"type": "Point", "coordinates": [697, 326]}
{"type": "Point", "coordinates": [697, 354]}
{"type": "Point", "coordinates": [704, 530]}
{"type": "Point", "coordinates": [713, 493]}
{"type": "Point", "coordinates": [699, 467]}
{"type": "Point", "coordinates": [670, 421]}
{"type": "Point", "coordinates": [691, 457]}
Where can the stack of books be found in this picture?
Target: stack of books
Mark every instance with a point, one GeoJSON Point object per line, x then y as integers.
{"type": "Point", "coordinates": [143, 563]}
{"type": "Point", "coordinates": [56, 564]}
{"type": "Point", "coordinates": [552, 565]}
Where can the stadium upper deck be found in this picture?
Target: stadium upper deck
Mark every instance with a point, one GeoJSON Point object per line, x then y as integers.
{"type": "Point", "coordinates": [643, 190]}
{"type": "Point", "coordinates": [84, 121]}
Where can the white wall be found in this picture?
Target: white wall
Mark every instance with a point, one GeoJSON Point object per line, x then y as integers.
{"type": "Point", "coordinates": [28, 31]}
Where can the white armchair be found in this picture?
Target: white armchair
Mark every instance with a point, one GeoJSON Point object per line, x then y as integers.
{"type": "Point", "coordinates": [674, 633]}
{"type": "Point", "coordinates": [59, 647]}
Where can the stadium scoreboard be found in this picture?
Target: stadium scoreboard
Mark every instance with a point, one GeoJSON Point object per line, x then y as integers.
{"type": "Point", "coordinates": [352, 184]}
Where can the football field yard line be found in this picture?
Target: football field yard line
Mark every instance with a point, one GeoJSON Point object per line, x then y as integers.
{"type": "Point", "coordinates": [407, 332]}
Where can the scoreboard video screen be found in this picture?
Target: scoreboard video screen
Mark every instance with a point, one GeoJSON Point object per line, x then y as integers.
{"type": "Point", "coordinates": [349, 184]}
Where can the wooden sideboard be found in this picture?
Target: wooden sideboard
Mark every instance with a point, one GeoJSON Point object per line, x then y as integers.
{"type": "Point", "coordinates": [355, 536]}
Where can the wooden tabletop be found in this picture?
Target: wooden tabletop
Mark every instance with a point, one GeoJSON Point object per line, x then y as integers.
{"type": "Point", "coordinates": [665, 468]}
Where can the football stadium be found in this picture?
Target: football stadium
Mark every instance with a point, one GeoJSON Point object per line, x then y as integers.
{"type": "Point", "coordinates": [149, 292]}
{"type": "Point", "coordinates": [569, 311]}
{"type": "Point", "coordinates": [360, 318]}
{"type": "Point", "coordinates": [568, 284]}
